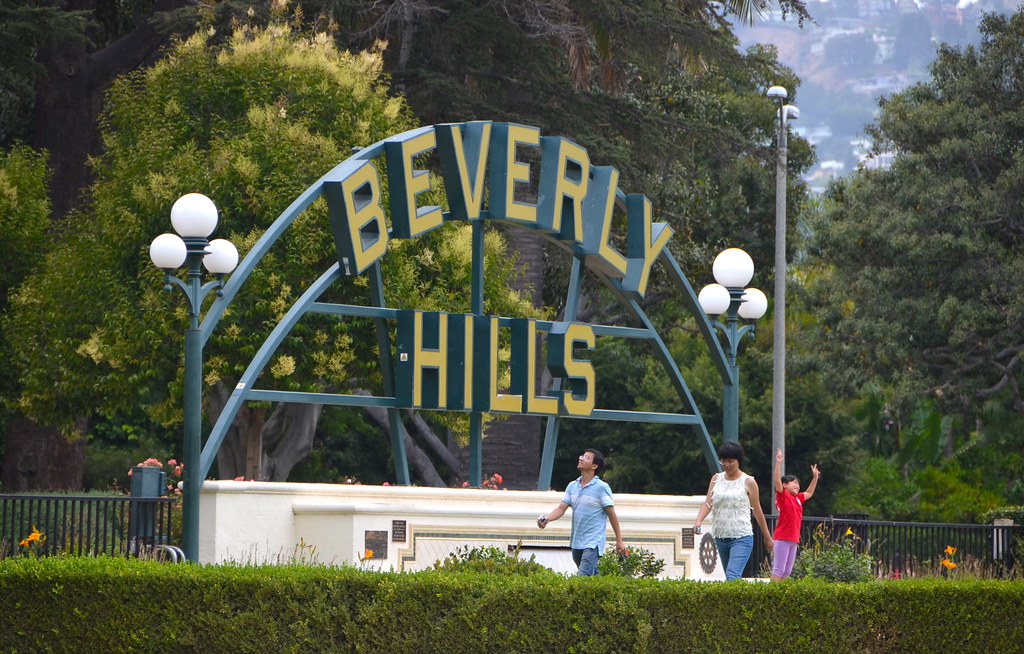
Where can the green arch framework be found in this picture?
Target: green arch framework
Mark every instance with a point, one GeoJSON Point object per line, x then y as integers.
{"type": "Point", "coordinates": [475, 144]}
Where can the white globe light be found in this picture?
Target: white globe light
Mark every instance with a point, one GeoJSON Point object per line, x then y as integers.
{"type": "Point", "coordinates": [194, 214]}
{"type": "Point", "coordinates": [733, 268]}
{"type": "Point", "coordinates": [714, 299]}
{"type": "Point", "coordinates": [221, 256]}
{"type": "Point", "coordinates": [168, 251]}
{"type": "Point", "coordinates": [777, 92]}
{"type": "Point", "coordinates": [754, 305]}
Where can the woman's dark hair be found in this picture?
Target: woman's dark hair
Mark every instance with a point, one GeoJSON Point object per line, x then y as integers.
{"type": "Point", "coordinates": [788, 478]}
{"type": "Point", "coordinates": [598, 459]}
{"type": "Point", "coordinates": [731, 450]}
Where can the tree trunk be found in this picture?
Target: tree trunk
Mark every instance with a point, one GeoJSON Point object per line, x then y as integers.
{"type": "Point", "coordinates": [512, 447]}
{"type": "Point", "coordinates": [287, 436]}
{"type": "Point", "coordinates": [39, 458]}
{"type": "Point", "coordinates": [254, 443]}
{"type": "Point", "coordinates": [69, 97]}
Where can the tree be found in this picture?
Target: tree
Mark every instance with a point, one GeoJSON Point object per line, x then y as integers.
{"type": "Point", "coordinates": [47, 460]}
{"type": "Point", "coordinates": [645, 86]}
{"type": "Point", "coordinates": [25, 28]}
{"type": "Point", "coordinates": [252, 122]}
{"type": "Point", "coordinates": [577, 69]}
{"type": "Point", "coordinates": [917, 267]}
{"type": "Point", "coordinates": [855, 50]}
{"type": "Point", "coordinates": [56, 62]}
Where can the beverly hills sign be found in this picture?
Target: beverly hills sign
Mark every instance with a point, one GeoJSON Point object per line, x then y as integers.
{"type": "Point", "coordinates": [450, 361]}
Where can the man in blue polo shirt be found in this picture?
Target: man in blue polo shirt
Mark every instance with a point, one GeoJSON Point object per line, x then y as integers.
{"type": "Point", "coordinates": [592, 508]}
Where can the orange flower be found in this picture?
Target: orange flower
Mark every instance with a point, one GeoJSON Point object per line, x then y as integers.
{"type": "Point", "coordinates": [950, 550]}
{"type": "Point", "coordinates": [949, 564]}
{"type": "Point", "coordinates": [35, 537]}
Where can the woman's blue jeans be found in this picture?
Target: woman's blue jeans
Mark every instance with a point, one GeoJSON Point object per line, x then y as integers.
{"type": "Point", "coordinates": [735, 552]}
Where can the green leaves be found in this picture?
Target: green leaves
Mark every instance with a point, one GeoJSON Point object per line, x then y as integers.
{"type": "Point", "coordinates": [251, 123]}
{"type": "Point", "coordinates": [921, 288]}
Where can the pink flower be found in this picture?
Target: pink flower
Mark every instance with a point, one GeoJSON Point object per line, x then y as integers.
{"type": "Point", "coordinates": [240, 478]}
{"type": "Point", "coordinates": [498, 478]}
{"type": "Point", "coordinates": [172, 462]}
{"type": "Point", "coordinates": [386, 484]}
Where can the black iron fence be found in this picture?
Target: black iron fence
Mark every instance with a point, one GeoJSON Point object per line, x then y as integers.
{"type": "Point", "coordinates": [905, 548]}
{"type": "Point", "coordinates": [84, 525]}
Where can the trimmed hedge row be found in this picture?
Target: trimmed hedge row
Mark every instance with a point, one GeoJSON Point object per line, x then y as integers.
{"type": "Point", "coordinates": [111, 605]}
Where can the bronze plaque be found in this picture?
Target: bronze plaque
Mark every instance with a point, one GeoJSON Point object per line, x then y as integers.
{"type": "Point", "coordinates": [398, 531]}
{"type": "Point", "coordinates": [376, 542]}
{"type": "Point", "coordinates": [687, 538]}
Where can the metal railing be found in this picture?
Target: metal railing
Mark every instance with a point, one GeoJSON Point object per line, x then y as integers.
{"type": "Point", "coordinates": [905, 548]}
{"type": "Point", "coordinates": [84, 525]}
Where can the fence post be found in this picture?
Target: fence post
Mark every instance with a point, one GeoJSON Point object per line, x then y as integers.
{"type": "Point", "coordinates": [147, 482]}
{"type": "Point", "coordinates": [1001, 539]}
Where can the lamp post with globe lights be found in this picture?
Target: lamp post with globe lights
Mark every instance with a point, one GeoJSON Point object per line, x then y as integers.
{"type": "Point", "coordinates": [194, 217]}
{"type": "Point", "coordinates": [785, 112]}
{"type": "Point", "coordinates": [733, 269]}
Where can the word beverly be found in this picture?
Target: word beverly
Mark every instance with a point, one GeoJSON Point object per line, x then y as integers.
{"type": "Point", "coordinates": [576, 204]}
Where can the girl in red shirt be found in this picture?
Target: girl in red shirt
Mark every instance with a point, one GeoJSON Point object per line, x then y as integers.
{"type": "Point", "coordinates": [790, 502]}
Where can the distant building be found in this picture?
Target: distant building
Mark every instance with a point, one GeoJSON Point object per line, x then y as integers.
{"type": "Point", "coordinates": [882, 84]}
{"type": "Point", "coordinates": [880, 161]}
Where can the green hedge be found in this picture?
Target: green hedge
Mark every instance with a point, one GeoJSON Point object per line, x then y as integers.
{"type": "Point", "coordinates": [110, 605]}
{"type": "Point", "coordinates": [1015, 513]}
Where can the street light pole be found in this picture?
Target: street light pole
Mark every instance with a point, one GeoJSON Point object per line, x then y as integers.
{"type": "Point", "coordinates": [733, 268]}
{"type": "Point", "coordinates": [194, 218]}
{"type": "Point", "coordinates": [779, 94]}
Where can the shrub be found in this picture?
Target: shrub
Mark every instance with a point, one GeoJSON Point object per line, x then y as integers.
{"type": "Point", "coordinates": [834, 561]}
{"type": "Point", "coordinates": [640, 563]}
{"type": "Point", "coordinates": [493, 560]}
{"type": "Point", "coordinates": [1015, 513]}
{"type": "Point", "coordinates": [80, 605]}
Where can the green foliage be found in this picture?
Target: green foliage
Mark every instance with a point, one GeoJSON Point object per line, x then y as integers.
{"type": "Point", "coordinates": [26, 27]}
{"type": "Point", "coordinates": [1015, 513]}
{"type": "Point", "coordinates": [24, 222]}
{"type": "Point", "coordinates": [920, 284]}
{"type": "Point", "coordinates": [948, 493]}
{"type": "Point", "coordinates": [641, 563]}
{"type": "Point", "coordinates": [250, 122]}
{"type": "Point", "coordinates": [842, 560]}
{"type": "Point", "coordinates": [24, 214]}
{"type": "Point", "coordinates": [913, 271]}
{"type": "Point", "coordinates": [346, 446]}
{"type": "Point", "coordinates": [79, 605]}
{"type": "Point", "coordinates": [491, 560]}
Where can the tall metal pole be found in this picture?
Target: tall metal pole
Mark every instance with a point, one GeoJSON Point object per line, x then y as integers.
{"type": "Point", "coordinates": [192, 402]}
{"type": "Point", "coordinates": [194, 217]}
{"type": "Point", "coordinates": [731, 399]}
{"type": "Point", "coordinates": [779, 319]}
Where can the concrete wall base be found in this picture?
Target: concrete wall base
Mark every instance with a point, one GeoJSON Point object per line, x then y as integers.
{"type": "Point", "coordinates": [409, 528]}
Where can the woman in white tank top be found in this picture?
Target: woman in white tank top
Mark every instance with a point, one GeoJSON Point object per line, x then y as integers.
{"type": "Point", "coordinates": [732, 494]}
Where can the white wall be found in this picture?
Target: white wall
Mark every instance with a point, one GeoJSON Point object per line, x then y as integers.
{"type": "Point", "coordinates": [261, 522]}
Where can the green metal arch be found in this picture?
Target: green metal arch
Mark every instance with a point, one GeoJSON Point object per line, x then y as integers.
{"type": "Point", "coordinates": [246, 390]}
